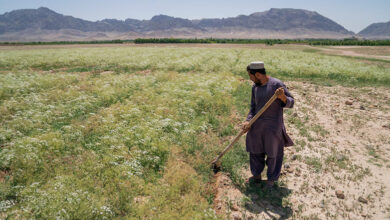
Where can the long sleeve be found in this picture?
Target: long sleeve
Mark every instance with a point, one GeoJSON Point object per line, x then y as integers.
{"type": "Point", "coordinates": [252, 110]}
{"type": "Point", "coordinates": [290, 99]}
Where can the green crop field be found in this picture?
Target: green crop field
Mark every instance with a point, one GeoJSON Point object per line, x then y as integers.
{"type": "Point", "coordinates": [129, 132]}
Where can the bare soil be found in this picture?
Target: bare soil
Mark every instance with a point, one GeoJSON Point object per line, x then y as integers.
{"type": "Point", "coordinates": [377, 52]}
{"type": "Point", "coordinates": [369, 50]}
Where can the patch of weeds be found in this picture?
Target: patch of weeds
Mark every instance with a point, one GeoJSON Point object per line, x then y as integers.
{"type": "Point", "coordinates": [229, 203]}
{"type": "Point", "coordinates": [204, 171]}
{"type": "Point", "coordinates": [304, 187]}
{"type": "Point", "coordinates": [300, 124]}
{"type": "Point", "coordinates": [300, 144]}
{"type": "Point", "coordinates": [375, 157]}
{"type": "Point", "coordinates": [300, 208]}
{"type": "Point", "coordinates": [80, 69]}
{"type": "Point", "coordinates": [227, 130]}
{"type": "Point", "coordinates": [315, 163]}
{"type": "Point", "coordinates": [382, 190]}
{"type": "Point", "coordinates": [242, 97]}
{"type": "Point", "coordinates": [213, 121]}
{"type": "Point", "coordinates": [233, 162]}
{"type": "Point", "coordinates": [210, 198]}
{"type": "Point", "coordinates": [286, 202]}
{"type": "Point", "coordinates": [310, 50]}
{"type": "Point", "coordinates": [360, 173]}
{"type": "Point", "coordinates": [372, 152]}
{"type": "Point", "coordinates": [337, 159]}
{"type": "Point", "coordinates": [319, 130]}
{"type": "Point", "coordinates": [193, 147]}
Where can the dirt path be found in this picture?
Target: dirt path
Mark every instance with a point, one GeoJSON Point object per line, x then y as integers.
{"type": "Point", "coordinates": [348, 51]}
{"type": "Point", "coordinates": [339, 166]}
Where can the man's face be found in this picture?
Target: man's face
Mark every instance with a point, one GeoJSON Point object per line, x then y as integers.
{"type": "Point", "coordinates": [253, 78]}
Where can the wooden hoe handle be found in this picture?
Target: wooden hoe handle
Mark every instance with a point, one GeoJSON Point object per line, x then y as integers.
{"type": "Point", "coordinates": [262, 110]}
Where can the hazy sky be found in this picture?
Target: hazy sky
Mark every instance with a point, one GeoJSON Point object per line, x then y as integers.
{"type": "Point", "coordinates": [354, 15]}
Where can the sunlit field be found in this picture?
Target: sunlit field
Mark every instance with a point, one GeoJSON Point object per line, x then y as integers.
{"type": "Point", "coordinates": [129, 132]}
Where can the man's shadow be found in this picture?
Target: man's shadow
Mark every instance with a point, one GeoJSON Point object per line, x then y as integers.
{"type": "Point", "coordinates": [268, 200]}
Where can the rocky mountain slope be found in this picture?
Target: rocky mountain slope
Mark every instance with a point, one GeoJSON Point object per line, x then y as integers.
{"type": "Point", "coordinates": [376, 30]}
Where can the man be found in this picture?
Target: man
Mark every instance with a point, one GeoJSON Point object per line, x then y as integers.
{"type": "Point", "coordinates": [267, 136]}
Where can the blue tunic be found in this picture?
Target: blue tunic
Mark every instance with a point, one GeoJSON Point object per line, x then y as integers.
{"type": "Point", "coordinates": [268, 133]}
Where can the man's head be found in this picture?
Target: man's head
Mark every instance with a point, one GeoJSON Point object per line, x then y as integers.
{"type": "Point", "coordinates": [256, 71]}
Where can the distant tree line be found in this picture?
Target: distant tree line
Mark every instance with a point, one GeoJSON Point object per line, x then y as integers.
{"type": "Point", "coordinates": [209, 41]}
{"type": "Point", "coordinates": [323, 42]}
{"type": "Point", "coordinates": [68, 42]}
{"type": "Point", "coordinates": [350, 42]}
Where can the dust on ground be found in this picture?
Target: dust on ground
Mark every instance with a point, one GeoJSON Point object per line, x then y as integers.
{"type": "Point", "coordinates": [338, 168]}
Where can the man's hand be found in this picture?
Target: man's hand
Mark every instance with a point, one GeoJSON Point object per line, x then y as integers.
{"type": "Point", "coordinates": [245, 126]}
{"type": "Point", "coordinates": [280, 94]}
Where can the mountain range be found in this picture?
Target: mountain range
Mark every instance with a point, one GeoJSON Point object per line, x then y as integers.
{"type": "Point", "coordinates": [43, 24]}
{"type": "Point", "coordinates": [377, 30]}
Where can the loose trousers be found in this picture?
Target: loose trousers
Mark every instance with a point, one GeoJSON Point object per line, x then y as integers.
{"type": "Point", "coordinates": [274, 165]}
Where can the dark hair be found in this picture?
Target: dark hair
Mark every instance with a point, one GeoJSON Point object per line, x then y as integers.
{"type": "Point", "coordinates": [254, 71]}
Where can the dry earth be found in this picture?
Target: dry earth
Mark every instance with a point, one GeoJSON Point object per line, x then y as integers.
{"type": "Point", "coordinates": [370, 50]}
{"type": "Point", "coordinates": [338, 168]}
{"type": "Point", "coordinates": [375, 52]}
